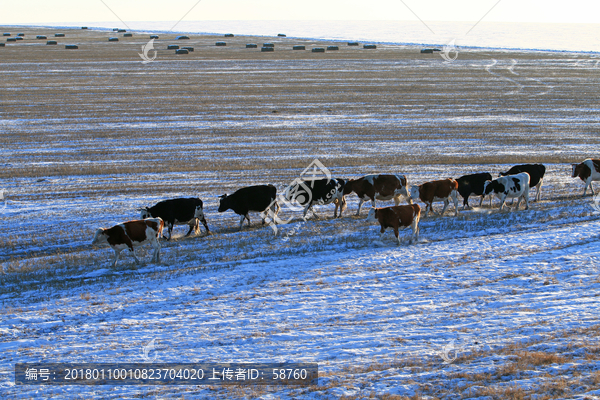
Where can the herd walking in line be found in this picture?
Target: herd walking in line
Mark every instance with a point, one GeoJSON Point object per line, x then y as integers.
{"type": "Point", "coordinates": [512, 184]}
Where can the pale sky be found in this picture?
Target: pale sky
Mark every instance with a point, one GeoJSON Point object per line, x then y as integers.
{"type": "Point", "coordinates": [40, 11]}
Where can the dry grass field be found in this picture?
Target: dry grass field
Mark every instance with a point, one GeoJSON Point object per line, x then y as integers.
{"type": "Point", "coordinates": [89, 135]}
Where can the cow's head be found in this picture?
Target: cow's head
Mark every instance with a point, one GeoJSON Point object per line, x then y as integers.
{"type": "Point", "coordinates": [372, 217]}
{"type": "Point", "coordinates": [415, 192]}
{"type": "Point", "coordinates": [145, 213]}
{"type": "Point", "coordinates": [576, 170]}
{"type": "Point", "coordinates": [223, 203]}
{"type": "Point", "coordinates": [348, 186]}
{"type": "Point", "coordinates": [493, 186]}
{"type": "Point", "coordinates": [99, 237]}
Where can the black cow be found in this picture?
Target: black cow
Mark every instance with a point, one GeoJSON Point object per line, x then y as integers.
{"type": "Point", "coordinates": [472, 184]}
{"type": "Point", "coordinates": [318, 191]}
{"type": "Point", "coordinates": [182, 211]}
{"type": "Point", "coordinates": [536, 174]}
{"type": "Point", "coordinates": [258, 198]}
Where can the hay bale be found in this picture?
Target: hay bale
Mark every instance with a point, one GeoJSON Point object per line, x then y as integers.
{"type": "Point", "coordinates": [251, 46]}
{"type": "Point", "coordinates": [51, 42]}
{"type": "Point", "coordinates": [2, 44]}
{"type": "Point", "coordinates": [11, 39]}
{"type": "Point", "coordinates": [20, 34]}
{"type": "Point", "coordinates": [59, 35]}
{"type": "Point", "coordinates": [182, 37]}
{"type": "Point", "coordinates": [181, 51]}
{"type": "Point", "coordinates": [220, 44]}
{"type": "Point", "coordinates": [84, 27]}
{"type": "Point", "coordinates": [352, 43]}
{"type": "Point", "coordinates": [121, 30]}
{"type": "Point", "coordinates": [318, 50]}
{"type": "Point", "coordinates": [128, 35]}
{"type": "Point", "coordinates": [426, 51]}
{"type": "Point", "coordinates": [299, 47]}
{"type": "Point", "coordinates": [281, 35]}
{"type": "Point", "coordinates": [113, 39]}
{"type": "Point", "coordinates": [71, 46]}
{"type": "Point", "coordinates": [369, 46]}
{"type": "Point", "coordinates": [6, 34]}
{"type": "Point", "coordinates": [189, 49]}
{"type": "Point", "coordinates": [19, 37]}
{"type": "Point", "coordinates": [268, 45]}
{"type": "Point", "coordinates": [115, 29]}
{"type": "Point", "coordinates": [172, 47]}
{"type": "Point", "coordinates": [330, 48]}
{"type": "Point", "coordinates": [267, 49]}
{"type": "Point", "coordinates": [229, 35]}
{"type": "Point", "coordinates": [41, 37]}
{"type": "Point", "coordinates": [153, 36]}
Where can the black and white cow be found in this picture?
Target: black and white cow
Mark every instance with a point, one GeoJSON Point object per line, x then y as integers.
{"type": "Point", "coordinates": [472, 184]}
{"type": "Point", "coordinates": [182, 211]}
{"type": "Point", "coordinates": [259, 198]}
{"type": "Point", "coordinates": [536, 176]}
{"type": "Point", "coordinates": [510, 186]}
{"type": "Point", "coordinates": [587, 171]}
{"type": "Point", "coordinates": [317, 191]}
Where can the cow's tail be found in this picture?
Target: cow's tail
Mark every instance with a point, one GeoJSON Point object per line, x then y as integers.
{"type": "Point", "coordinates": [161, 226]}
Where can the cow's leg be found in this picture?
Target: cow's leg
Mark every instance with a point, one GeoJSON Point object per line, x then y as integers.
{"type": "Point", "coordinates": [382, 233]}
{"type": "Point", "coordinates": [360, 203]}
{"type": "Point", "coordinates": [502, 201]}
{"type": "Point", "coordinates": [397, 200]}
{"type": "Point", "coordinates": [427, 208]}
{"type": "Point", "coordinates": [242, 218]}
{"type": "Point", "coordinates": [526, 197]}
{"type": "Point", "coordinates": [466, 202]}
{"type": "Point", "coordinates": [194, 226]}
{"type": "Point", "coordinates": [137, 260]}
{"type": "Point", "coordinates": [446, 202]}
{"type": "Point", "coordinates": [481, 200]}
{"type": "Point", "coordinates": [454, 196]}
{"type": "Point", "coordinates": [156, 245]}
{"type": "Point", "coordinates": [117, 253]}
{"type": "Point", "coordinates": [397, 234]}
{"type": "Point", "coordinates": [591, 188]}
{"type": "Point", "coordinates": [306, 208]}
{"type": "Point", "coordinates": [415, 229]}
{"type": "Point", "coordinates": [538, 193]}
{"type": "Point", "coordinates": [170, 230]}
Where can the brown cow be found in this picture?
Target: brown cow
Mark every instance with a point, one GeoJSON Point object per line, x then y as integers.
{"type": "Point", "coordinates": [442, 190]}
{"type": "Point", "coordinates": [397, 217]}
{"type": "Point", "coordinates": [131, 234]}
{"type": "Point", "coordinates": [377, 187]}
{"type": "Point", "coordinates": [587, 171]}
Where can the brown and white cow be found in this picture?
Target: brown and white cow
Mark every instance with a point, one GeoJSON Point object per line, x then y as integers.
{"type": "Point", "coordinates": [587, 171]}
{"type": "Point", "coordinates": [442, 190]}
{"type": "Point", "coordinates": [396, 217]}
{"type": "Point", "coordinates": [377, 187]}
{"type": "Point", "coordinates": [131, 234]}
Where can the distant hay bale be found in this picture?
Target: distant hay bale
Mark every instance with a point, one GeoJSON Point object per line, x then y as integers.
{"type": "Point", "coordinates": [115, 29]}
{"type": "Point", "coordinates": [71, 46]}
{"type": "Point", "coordinates": [426, 51]}
{"type": "Point", "coordinates": [20, 34]}
{"type": "Point", "coordinates": [51, 42]}
{"type": "Point", "coordinates": [281, 35]}
{"type": "Point", "coordinates": [128, 35]}
{"type": "Point", "coordinates": [352, 43]}
{"type": "Point", "coordinates": [19, 37]}
{"type": "Point", "coordinates": [220, 44]}
{"type": "Point", "coordinates": [172, 47]}
{"type": "Point", "coordinates": [189, 49]}
{"type": "Point", "coordinates": [181, 51]}
{"type": "Point", "coordinates": [318, 50]}
{"type": "Point", "coordinates": [84, 27]}
{"type": "Point", "coordinates": [299, 47]}
{"type": "Point", "coordinates": [6, 34]}
{"type": "Point", "coordinates": [41, 37]}
{"type": "Point", "coordinates": [153, 36]}
{"type": "Point", "coordinates": [369, 46]}
{"type": "Point", "coordinates": [229, 35]}
{"type": "Point", "coordinates": [11, 39]}
{"type": "Point", "coordinates": [113, 39]}
{"type": "Point", "coordinates": [59, 35]}
{"type": "Point", "coordinates": [267, 49]}
{"type": "Point", "coordinates": [268, 45]}
{"type": "Point", "coordinates": [330, 48]}
{"type": "Point", "coordinates": [2, 44]}
{"type": "Point", "coordinates": [182, 37]}
{"type": "Point", "coordinates": [251, 46]}
{"type": "Point", "coordinates": [121, 30]}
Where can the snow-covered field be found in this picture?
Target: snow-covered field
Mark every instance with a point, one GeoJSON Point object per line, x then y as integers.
{"type": "Point", "coordinates": [489, 303]}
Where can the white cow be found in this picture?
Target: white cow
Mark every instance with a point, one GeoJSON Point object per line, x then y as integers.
{"type": "Point", "coordinates": [509, 186]}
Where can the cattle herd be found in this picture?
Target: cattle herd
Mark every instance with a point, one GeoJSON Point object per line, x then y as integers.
{"type": "Point", "coordinates": [514, 183]}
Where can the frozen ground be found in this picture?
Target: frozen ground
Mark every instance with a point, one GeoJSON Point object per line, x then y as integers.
{"type": "Point", "coordinates": [497, 304]}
